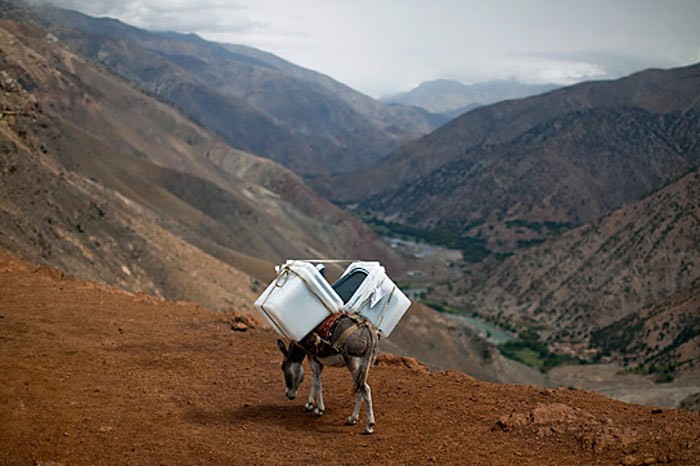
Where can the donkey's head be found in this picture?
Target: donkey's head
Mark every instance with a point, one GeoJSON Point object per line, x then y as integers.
{"type": "Point", "coordinates": [292, 367]}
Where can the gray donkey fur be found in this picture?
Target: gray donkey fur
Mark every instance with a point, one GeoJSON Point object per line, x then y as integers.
{"type": "Point", "coordinates": [356, 352]}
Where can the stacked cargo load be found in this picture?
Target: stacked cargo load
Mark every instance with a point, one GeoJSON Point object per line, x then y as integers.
{"type": "Point", "coordinates": [300, 297]}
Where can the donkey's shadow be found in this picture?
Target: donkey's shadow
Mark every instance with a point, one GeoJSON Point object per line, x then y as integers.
{"type": "Point", "coordinates": [290, 416]}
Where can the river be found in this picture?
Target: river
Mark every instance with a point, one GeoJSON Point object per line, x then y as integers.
{"type": "Point", "coordinates": [491, 332]}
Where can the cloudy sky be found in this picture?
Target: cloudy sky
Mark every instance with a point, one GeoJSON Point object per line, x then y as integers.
{"type": "Point", "coordinates": [386, 46]}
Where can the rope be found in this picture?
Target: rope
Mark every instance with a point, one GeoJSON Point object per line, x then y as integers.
{"type": "Point", "coordinates": [277, 325]}
{"type": "Point", "coordinates": [329, 261]}
{"type": "Point", "coordinates": [386, 304]}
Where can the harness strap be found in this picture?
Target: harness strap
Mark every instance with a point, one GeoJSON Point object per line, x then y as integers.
{"type": "Point", "coordinates": [317, 340]}
{"type": "Point", "coordinates": [324, 328]}
{"type": "Point", "coordinates": [340, 341]}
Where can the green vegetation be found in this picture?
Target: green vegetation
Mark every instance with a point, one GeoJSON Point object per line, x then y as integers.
{"type": "Point", "coordinates": [664, 372]}
{"type": "Point", "coordinates": [627, 336]}
{"type": "Point", "coordinates": [529, 350]}
{"type": "Point", "coordinates": [619, 337]}
{"type": "Point", "coordinates": [553, 227]}
{"type": "Point", "coordinates": [441, 307]}
{"type": "Point", "coordinates": [526, 243]}
{"type": "Point", "coordinates": [473, 248]}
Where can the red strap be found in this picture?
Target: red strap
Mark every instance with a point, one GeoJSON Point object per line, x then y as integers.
{"type": "Point", "coordinates": [324, 328]}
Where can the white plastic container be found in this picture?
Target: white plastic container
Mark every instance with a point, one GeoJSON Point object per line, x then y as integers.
{"type": "Point", "coordinates": [377, 298]}
{"type": "Point", "coordinates": [297, 300]}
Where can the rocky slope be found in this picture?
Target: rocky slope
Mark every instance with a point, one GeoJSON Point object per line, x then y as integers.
{"type": "Point", "coordinates": [520, 170]}
{"type": "Point", "coordinates": [661, 339]}
{"type": "Point", "coordinates": [254, 101]}
{"type": "Point", "coordinates": [94, 375]}
{"type": "Point", "coordinates": [629, 281]}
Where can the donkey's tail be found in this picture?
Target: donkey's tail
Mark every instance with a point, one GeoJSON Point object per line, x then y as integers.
{"type": "Point", "coordinates": [367, 360]}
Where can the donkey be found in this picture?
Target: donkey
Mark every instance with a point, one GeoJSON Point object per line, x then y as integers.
{"type": "Point", "coordinates": [346, 341]}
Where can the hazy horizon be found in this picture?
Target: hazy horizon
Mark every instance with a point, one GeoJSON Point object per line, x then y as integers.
{"type": "Point", "coordinates": [387, 47]}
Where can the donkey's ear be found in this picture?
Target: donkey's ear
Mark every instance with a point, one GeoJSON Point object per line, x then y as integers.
{"type": "Point", "coordinates": [282, 346]}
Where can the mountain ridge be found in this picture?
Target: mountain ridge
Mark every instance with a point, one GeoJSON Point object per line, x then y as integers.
{"type": "Point", "coordinates": [453, 98]}
{"type": "Point", "coordinates": [148, 200]}
{"type": "Point", "coordinates": [255, 102]}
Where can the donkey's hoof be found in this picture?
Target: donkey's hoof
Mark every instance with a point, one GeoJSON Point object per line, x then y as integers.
{"type": "Point", "coordinates": [351, 421]}
{"type": "Point", "coordinates": [318, 412]}
{"type": "Point", "coordinates": [369, 430]}
{"type": "Point", "coordinates": [308, 406]}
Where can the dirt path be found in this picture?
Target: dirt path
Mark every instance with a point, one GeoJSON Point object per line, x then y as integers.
{"type": "Point", "coordinates": [91, 375]}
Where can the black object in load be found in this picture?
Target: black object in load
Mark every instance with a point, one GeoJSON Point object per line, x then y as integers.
{"type": "Point", "coordinates": [346, 285]}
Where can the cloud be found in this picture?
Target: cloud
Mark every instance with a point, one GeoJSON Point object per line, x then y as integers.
{"type": "Point", "coordinates": [545, 71]}
{"type": "Point", "coordinates": [381, 46]}
{"type": "Point", "coordinates": [206, 16]}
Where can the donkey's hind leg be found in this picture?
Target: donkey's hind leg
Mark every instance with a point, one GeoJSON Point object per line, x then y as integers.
{"type": "Point", "coordinates": [316, 391]}
{"type": "Point", "coordinates": [363, 394]}
{"type": "Point", "coordinates": [352, 364]}
{"type": "Point", "coordinates": [359, 368]}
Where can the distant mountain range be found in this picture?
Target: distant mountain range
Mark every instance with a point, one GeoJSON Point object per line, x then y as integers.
{"type": "Point", "coordinates": [518, 171]}
{"type": "Point", "coordinates": [251, 99]}
{"type": "Point", "coordinates": [453, 98]}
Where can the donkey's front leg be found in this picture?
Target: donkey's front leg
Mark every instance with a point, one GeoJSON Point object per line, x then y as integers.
{"type": "Point", "coordinates": [316, 392]}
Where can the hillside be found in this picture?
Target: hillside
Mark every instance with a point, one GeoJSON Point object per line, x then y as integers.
{"type": "Point", "coordinates": [519, 171]}
{"type": "Point", "coordinates": [144, 199]}
{"type": "Point", "coordinates": [453, 98]}
{"type": "Point", "coordinates": [94, 375]}
{"type": "Point", "coordinates": [624, 287]}
{"type": "Point", "coordinates": [661, 339]}
{"type": "Point", "coordinates": [252, 100]}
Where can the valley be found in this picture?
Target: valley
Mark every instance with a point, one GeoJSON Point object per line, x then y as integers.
{"type": "Point", "coordinates": [617, 378]}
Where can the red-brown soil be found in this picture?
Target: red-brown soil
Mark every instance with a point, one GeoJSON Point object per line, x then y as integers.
{"type": "Point", "coordinates": [93, 375]}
